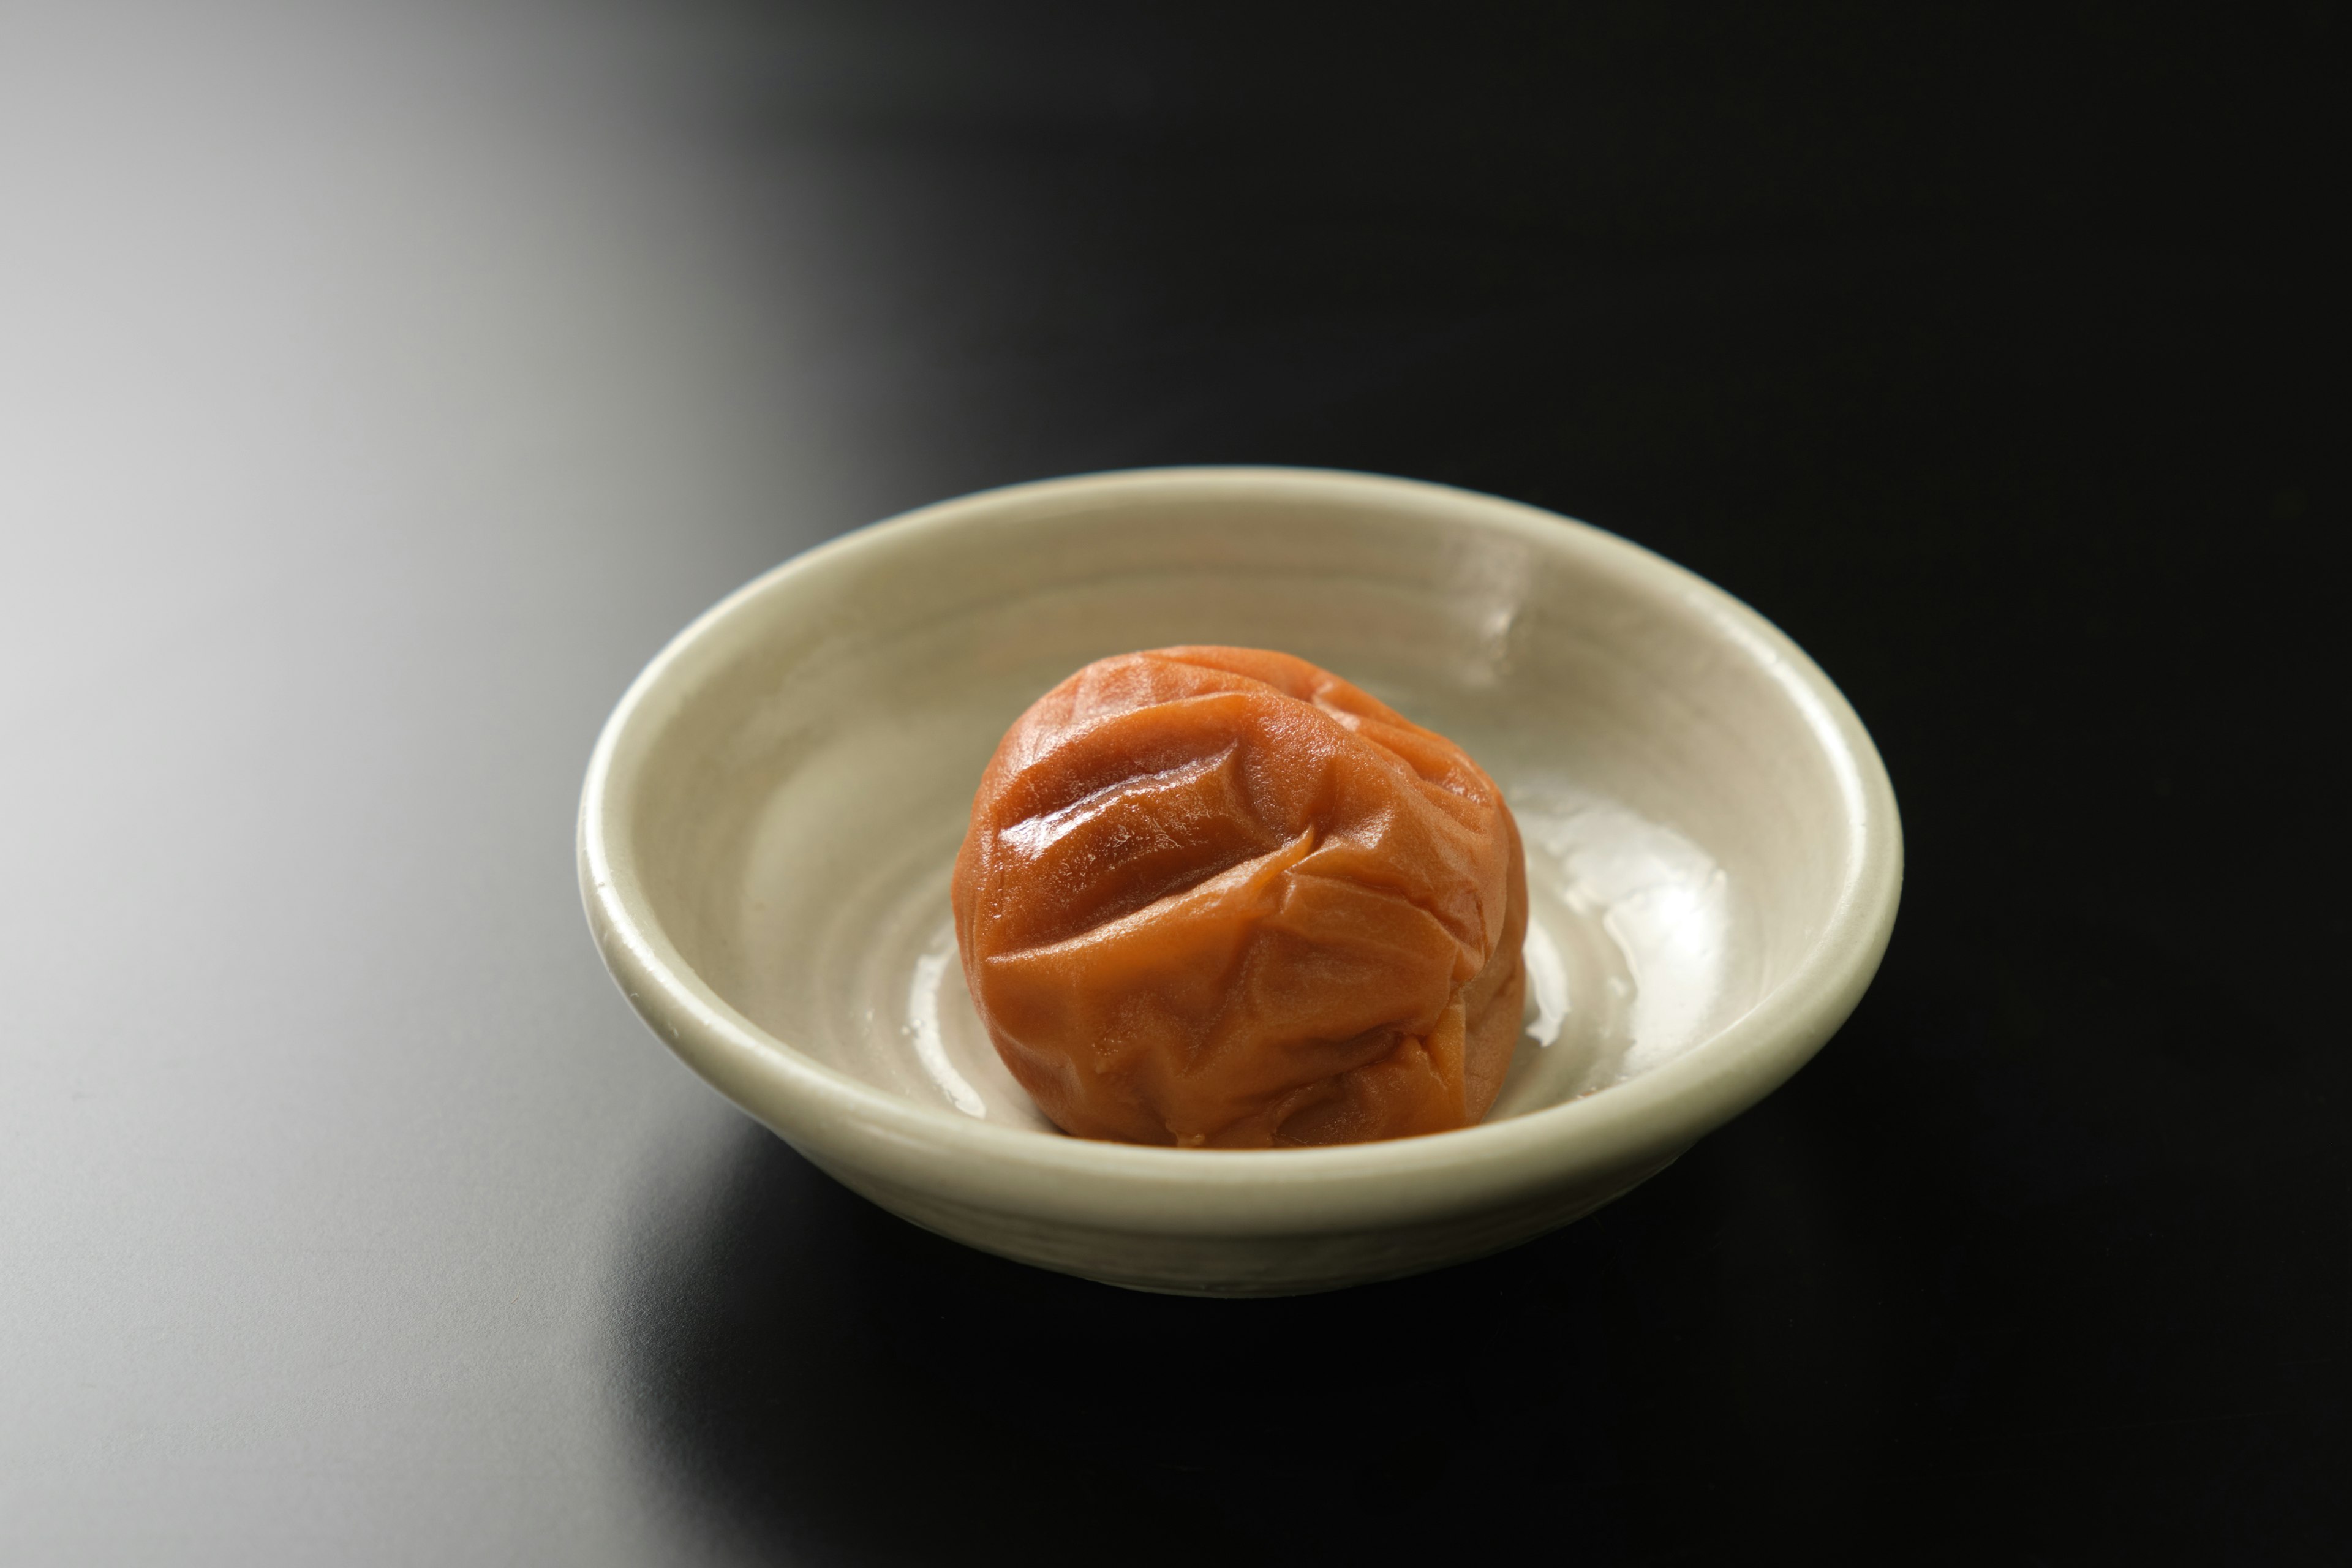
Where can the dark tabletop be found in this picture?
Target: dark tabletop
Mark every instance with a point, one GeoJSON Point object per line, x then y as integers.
{"type": "Point", "coordinates": [381, 384]}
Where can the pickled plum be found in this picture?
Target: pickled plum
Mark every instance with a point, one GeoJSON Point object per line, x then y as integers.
{"type": "Point", "coordinates": [1218, 897]}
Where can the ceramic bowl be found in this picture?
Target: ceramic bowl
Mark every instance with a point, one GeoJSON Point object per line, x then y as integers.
{"type": "Point", "coordinates": [771, 814]}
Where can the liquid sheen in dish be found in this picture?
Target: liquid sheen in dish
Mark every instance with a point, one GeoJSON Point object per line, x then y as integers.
{"type": "Point", "coordinates": [1218, 897]}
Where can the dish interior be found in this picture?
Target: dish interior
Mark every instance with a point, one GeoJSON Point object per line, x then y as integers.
{"type": "Point", "coordinates": [800, 805]}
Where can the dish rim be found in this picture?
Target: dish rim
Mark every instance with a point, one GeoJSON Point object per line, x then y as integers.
{"type": "Point", "coordinates": [859, 1129]}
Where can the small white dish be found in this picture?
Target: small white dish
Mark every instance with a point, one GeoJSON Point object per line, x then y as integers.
{"type": "Point", "coordinates": [771, 814]}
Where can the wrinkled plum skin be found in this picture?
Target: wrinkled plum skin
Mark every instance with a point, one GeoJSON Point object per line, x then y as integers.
{"type": "Point", "coordinates": [1217, 897]}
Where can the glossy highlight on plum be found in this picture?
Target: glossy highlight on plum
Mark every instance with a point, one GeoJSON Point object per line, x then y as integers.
{"type": "Point", "coordinates": [1221, 898]}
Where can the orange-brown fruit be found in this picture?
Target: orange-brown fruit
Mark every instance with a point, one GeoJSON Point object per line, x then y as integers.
{"type": "Point", "coordinates": [1218, 897]}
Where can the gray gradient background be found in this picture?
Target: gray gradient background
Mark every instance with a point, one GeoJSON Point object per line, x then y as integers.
{"type": "Point", "coordinates": [381, 385]}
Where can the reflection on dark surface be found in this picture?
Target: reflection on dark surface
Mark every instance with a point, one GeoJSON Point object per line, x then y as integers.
{"type": "Point", "coordinates": [832, 1381]}
{"type": "Point", "coordinates": [1906, 1279]}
